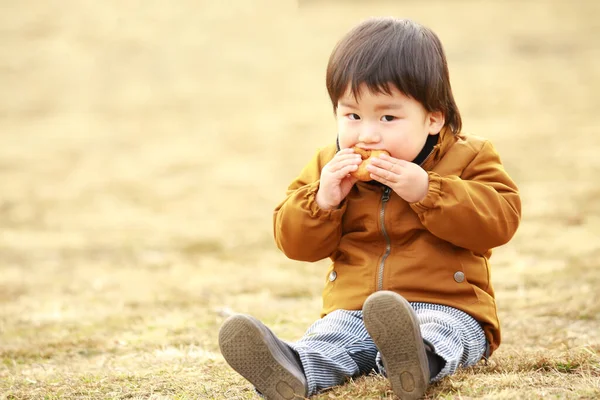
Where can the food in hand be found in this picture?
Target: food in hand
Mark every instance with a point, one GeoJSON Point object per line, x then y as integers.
{"type": "Point", "coordinates": [361, 173]}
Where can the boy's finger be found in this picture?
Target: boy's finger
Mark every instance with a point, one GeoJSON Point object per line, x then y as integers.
{"type": "Point", "coordinates": [346, 151]}
{"type": "Point", "coordinates": [355, 158]}
{"type": "Point", "coordinates": [347, 169]}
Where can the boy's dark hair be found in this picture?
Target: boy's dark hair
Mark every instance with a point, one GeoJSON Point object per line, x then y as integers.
{"type": "Point", "coordinates": [383, 51]}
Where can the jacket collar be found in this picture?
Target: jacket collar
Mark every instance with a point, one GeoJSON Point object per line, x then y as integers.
{"type": "Point", "coordinates": [445, 141]}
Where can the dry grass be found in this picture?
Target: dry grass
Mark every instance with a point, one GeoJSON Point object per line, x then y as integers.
{"type": "Point", "coordinates": [145, 144]}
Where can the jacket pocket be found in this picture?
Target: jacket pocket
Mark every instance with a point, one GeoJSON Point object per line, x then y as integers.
{"type": "Point", "coordinates": [330, 279]}
{"type": "Point", "coordinates": [474, 272]}
{"type": "Point", "coordinates": [440, 276]}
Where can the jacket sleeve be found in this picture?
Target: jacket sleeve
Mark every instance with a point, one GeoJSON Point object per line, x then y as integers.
{"type": "Point", "coordinates": [478, 210]}
{"type": "Point", "coordinates": [302, 230]}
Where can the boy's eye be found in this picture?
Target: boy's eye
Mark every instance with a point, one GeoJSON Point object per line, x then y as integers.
{"type": "Point", "coordinates": [388, 118]}
{"type": "Point", "coordinates": [353, 116]}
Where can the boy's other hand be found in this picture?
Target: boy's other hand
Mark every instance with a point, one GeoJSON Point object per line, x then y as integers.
{"type": "Point", "coordinates": [408, 180]}
{"type": "Point", "coordinates": [336, 181]}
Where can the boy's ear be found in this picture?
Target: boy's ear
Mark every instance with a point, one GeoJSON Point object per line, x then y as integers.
{"type": "Point", "coordinates": [436, 121]}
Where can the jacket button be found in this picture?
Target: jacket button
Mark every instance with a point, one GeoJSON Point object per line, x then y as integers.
{"type": "Point", "coordinates": [332, 276]}
{"type": "Point", "coordinates": [459, 276]}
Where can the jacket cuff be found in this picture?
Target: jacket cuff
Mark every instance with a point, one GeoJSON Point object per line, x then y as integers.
{"type": "Point", "coordinates": [317, 212]}
{"type": "Point", "coordinates": [433, 194]}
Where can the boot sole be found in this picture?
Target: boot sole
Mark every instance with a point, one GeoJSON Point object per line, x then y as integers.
{"type": "Point", "coordinates": [258, 358]}
{"type": "Point", "coordinates": [393, 326]}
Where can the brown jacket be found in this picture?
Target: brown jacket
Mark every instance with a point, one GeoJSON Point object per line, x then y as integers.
{"type": "Point", "coordinates": [435, 251]}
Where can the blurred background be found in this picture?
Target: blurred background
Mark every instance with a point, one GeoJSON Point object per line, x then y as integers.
{"type": "Point", "coordinates": [152, 123]}
{"type": "Point", "coordinates": [144, 145]}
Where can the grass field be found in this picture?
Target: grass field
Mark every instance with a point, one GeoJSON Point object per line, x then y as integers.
{"type": "Point", "coordinates": [144, 145]}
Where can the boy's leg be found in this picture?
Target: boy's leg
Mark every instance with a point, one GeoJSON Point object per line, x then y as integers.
{"type": "Point", "coordinates": [452, 338]}
{"type": "Point", "coordinates": [334, 349]}
{"type": "Point", "coordinates": [393, 325]}
{"type": "Point", "coordinates": [453, 335]}
{"type": "Point", "coordinates": [258, 355]}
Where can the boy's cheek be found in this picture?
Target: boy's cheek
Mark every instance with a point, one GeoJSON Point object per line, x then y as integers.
{"type": "Point", "coordinates": [345, 140]}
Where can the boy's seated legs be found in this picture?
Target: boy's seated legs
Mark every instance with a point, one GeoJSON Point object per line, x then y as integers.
{"type": "Point", "coordinates": [331, 351]}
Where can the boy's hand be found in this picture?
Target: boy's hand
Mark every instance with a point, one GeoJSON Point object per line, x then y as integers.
{"type": "Point", "coordinates": [407, 179]}
{"type": "Point", "coordinates": [336, 181]}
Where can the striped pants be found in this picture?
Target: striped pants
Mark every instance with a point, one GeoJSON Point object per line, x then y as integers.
{"type": "Point", "coordinates": [338, 346]}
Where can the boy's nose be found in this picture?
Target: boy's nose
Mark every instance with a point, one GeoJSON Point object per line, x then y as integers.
{"type": "Point", "coordinates": [368, 134]}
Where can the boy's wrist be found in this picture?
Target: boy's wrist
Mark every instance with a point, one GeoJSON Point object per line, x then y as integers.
{"type": "Point", "coordinates": [434, 184]}
{"type": "Point", "coordinates": [323, 205]}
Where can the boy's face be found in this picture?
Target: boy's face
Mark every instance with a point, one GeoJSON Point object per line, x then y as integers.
{"type": "Point", "coordinates": [396, 122]}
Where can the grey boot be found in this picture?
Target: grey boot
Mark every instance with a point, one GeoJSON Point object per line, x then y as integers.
{"type": "Point", "coordinates": [251, 349]}
{"type": "Point", "coordinates": [393, 326]}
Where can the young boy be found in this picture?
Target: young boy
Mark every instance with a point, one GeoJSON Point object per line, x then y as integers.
{"type": "Point", "coordinates": [408, 292]}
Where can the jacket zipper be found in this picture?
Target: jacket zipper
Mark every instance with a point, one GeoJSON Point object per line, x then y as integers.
{"type": "Point", "coordinates": [388, 243]}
